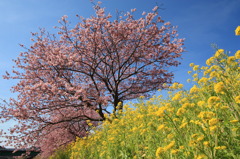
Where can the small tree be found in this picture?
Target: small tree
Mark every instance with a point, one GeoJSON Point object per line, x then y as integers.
{"type": "Point", "coordinates": [67, 81]}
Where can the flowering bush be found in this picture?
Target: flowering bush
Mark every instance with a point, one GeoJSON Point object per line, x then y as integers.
{"type": "Point", "coordinates": [203, 122]}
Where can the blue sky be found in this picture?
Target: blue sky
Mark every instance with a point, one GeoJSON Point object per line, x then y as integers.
{"type": "Point", "coordinates": [200, 22]}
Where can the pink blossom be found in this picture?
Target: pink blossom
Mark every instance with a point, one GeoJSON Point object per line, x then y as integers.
{"type": "Point", "coordinates": [155, 8]}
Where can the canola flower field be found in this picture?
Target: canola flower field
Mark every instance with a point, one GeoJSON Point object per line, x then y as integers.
{"type": "Point", "coordinates": [200, 123]}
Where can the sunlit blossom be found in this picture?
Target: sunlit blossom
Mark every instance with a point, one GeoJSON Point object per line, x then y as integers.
{"type": "Point", "coordinates": [230, 59]}
{"type": "Point", "coordinates": [237, 99]}
{"type": "Point", "coordinates": [159, 151]}
{"type": "Point", "coordinates": [237, 54]}
{"type": "Point", "coordinates": [219, 87]}
{"type": "Point", "coordinates": [237, 31]}
{"type": "Point", "coordinates": [196, 67]}
{"type": "Point", "coordinates": [213, 121]}
{"type": "Point", "coordinates": [220, 147]}
{"type": "Point", "coordinates": [234, 121]}
{"type": "Point", "coordinates": [219, 52]}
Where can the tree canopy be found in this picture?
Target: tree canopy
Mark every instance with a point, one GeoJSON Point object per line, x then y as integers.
{"type": "Point", "coordinates": [67, 81]}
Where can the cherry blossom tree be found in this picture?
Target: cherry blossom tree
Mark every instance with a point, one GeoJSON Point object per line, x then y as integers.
{"type": "Point", "coordinates": [67, 81]}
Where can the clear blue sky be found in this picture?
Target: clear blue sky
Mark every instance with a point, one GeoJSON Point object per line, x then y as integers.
{"type": "Point", "coordinates": [201, 22]}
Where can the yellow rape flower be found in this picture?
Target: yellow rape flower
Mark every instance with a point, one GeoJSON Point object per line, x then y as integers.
{"type": "Point", "coordinates": [200, 138]}
{"type": "Point", "coordinates": [185, 105]}
{"type": "Point", "coordinates": [213, 99]}
{"type": "Point", "coordinates": [134, 129]}
{"type": "Point", "coordinates": [210, 61]}
{"type": "Point", "coordinates": [195, 75]}
{"type": "Point", "coordinates": [186, 153]}
{"type": "Point", "coordinates": [169, 146]}
{"type": "Point", "coordinates": [111, 138]}
{"type": "Point", "coordinates": [204, 68]}
{"type": "Point", "coordinates": [183, 125]}
{"type": "Point", "coordinates": [237, 31]}
{"type": "Point", "coordinates": [213, 128]}
{"type": "Point", "coordinates": [230, 59]}
{"type": "Point", "coordinates": [170, 136]}
{"type": "Point", "coordinates": [174, 86]}
{"type": "Point", "coordinates": [203, 80]}
{"type": "Point", "coordinates": [213, 74]}
{"type": "Point", "coordinates": [150, 124]}
{"type": "Point", "coordinates": [237, 54]}
{"type": "Point", "coordinates": [206, 115]}
{"type": "Point", "coordinates": [234, 129]}
{"type": "Point", "coordinates": [195, 79]}
{"type": "Point", "coordinates": [177, 96]}
{"type": "Point", "coordinates": [220, 147]}
{"type": "Point", "coordinates": [142, 97]}
{"type": "Point", "coordinates": [194, 89]}
{"type": "Point", "coordinates": [159, 151]}
{"type": "Point", "coordinates": [196, 67]}
{"type": "Point", "coordinates": [201, 157]}
{"type": "Point", "coordinates": [191, 64]}
{"type": "Point", "coordinates": [200, 103]}
{"type": "Point", "coordinates": [174, 151]}
{"type": "Point", "coordinates": [213, 121]}
{"type": "Point", "coordinates": [180, 86]}
{"type": "Point", "coordinates": [175, 119]}
{"type": "Point", "coordinates": [215, 67]}
{"type": "Point", "coordinates": [206, 72]}
{"type": "Point", "coordinates": [219, 87]}
{"type": "Point", "coordinates": [183, 100]}
{"type": "Point", "coordinates": [90, 124]}
{"type": "Point", "coordinates": [237, 99]}
{"type": "Point", "coordinates": [192, 143]}
{"type": "Point", "coordinates": [197, 122]}
{"type": "Point", "coordinates": [181, 147]}
{"type": "Point", "coordinates": [192, 105]}
{"type": "Point", "coordinates": [234, 121]}
{"type": "Point", "coordinates": [180, 111]}
{"type": "Point", "coordinates": [219, 52]}
{"type": "Point", "coordinates": [161, 111]}
{"type": "Point", "coordinates": [206, 143]}
{"type": "Point", "coordinates": [143, 131]}
{"type": "Point", "coordinates": [194, 135]}
{"type": "Point", "coordinates": [217, 105]}
{"type": "Point", "coordinates": [224, 107]}
{"type": "Point", "coordinates": [161, 127]}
